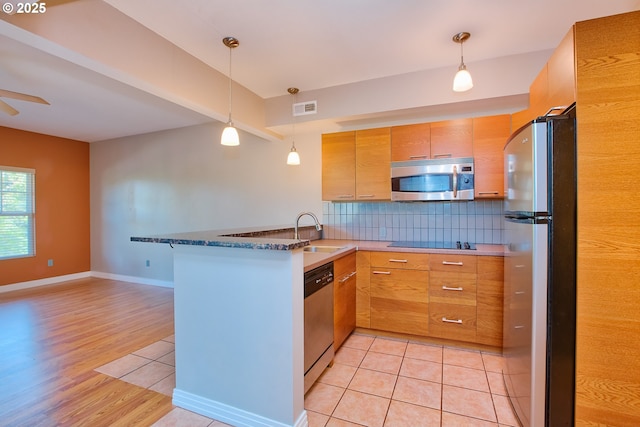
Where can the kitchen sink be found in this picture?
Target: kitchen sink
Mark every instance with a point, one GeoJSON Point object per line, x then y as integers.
{"type": "Point", "coordinates": [327, 249]}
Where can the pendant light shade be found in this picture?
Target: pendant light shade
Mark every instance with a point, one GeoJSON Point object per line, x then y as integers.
{"type": "Point", "coordinates": [230, 135]}
{"type": "Point", "coordinates": [462, 80]}
{"type": "Point", "coordinates": [293, 158]}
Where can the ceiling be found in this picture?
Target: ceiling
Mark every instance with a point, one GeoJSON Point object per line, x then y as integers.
{"type": "Point", "coordinates": [308, 44]}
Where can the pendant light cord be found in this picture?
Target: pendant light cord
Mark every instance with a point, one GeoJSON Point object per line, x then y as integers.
{"type": "Point", "coordinates": [230, 84]}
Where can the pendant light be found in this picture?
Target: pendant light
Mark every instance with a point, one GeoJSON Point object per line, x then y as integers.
{"type": "Point", "coordinates": [230, 133]}
{"type": "Point", "coordinates": [293, 158]}
{"type": "Point", "coordinates": [462, 81]}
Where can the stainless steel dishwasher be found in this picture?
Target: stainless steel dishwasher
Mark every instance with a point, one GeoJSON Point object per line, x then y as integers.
{"type": "Point", "coordinates": [318, 322]}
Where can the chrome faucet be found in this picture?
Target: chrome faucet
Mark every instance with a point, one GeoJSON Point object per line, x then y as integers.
{"type": "Point", "coordinates": [315, 218]}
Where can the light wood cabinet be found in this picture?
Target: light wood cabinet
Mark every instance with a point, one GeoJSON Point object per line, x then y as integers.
{"type": "Point", "coordinates": [411, 293]}
{"type": "Point", "coordinates": [399, 295]}
{"type": "Point", "coordinates": [452, 138]}
{"type": "Point", "coordinates": [373, 164]}
{"type": "Point", "coordinates": [339, 166]}
{"type": "Point", "coordinates": [344, 298]}
{"type": "Point", "coordinates": [490, 135]}
{"type": "Point", "coordinates": [555, 84]}
{"type": "Point", "coordinates": [490, 297]}
{"type": "Point", "coordinates": [411, 142]}
{"type": "Point", "coordinates": [608, 267]}
{"type": "Point", "coordinates": [363, 289]}
{"type": "Point", "coordinates": [448, 138]}
{"type": "Point", "coordinates": [452, 296]}
{"type": "Point", "coordinates": [356, 165]}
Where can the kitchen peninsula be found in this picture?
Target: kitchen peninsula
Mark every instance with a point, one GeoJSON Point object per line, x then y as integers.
{"type": "Point", "coordinates": [238, 326]}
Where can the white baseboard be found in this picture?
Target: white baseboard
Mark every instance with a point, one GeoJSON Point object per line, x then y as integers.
{"type": "Point", "coordinates": [229, 414]}
{"type": "Point", "coordinates": [44, 282]}
{"type": "Point", "coordinates": [83, 275]}
{"type": "Point", "coordinates": [132, 279]}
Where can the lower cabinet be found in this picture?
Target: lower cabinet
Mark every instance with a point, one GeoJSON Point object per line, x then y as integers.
{"type": "Point", "coordinates": [449, 296]}
{"type": "Point", "coordinates": [399, 284]}
{"type": "Point", "coordinates": [452, 299]}
{"type": "Point", "coordinates": [344, 298]}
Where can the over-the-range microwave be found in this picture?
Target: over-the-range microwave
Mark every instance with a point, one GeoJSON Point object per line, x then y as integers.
{"type": "Point", "coordinates": [437, 179]}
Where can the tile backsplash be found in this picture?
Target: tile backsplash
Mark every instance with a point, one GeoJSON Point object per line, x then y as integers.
{"type": "Point", "coordinates": [478, 221]}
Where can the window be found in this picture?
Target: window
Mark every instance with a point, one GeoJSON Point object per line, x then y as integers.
{"type": "Point", "coordinates": [17, 209]}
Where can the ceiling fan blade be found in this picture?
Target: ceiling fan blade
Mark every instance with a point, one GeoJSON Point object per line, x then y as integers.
{"type": "Point", "coordinates": [22, 96]}
{"type": "Point", "coordinates": [8, 108]}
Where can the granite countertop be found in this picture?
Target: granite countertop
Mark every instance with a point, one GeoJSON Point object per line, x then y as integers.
{"type": "Point", "coordinates": [245, 238]}
{"type": "Point", "coordinates": [253, 238]}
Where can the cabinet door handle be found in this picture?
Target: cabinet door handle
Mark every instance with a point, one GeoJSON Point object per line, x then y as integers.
{"type": "Point", "coordinates": [366, 196]}
{"type": "Point", "coordinates": [345, 196]}
{"type": "Point", "coordinates": [480, 193]}
{"type": "Point", "coordinates": [423, 156]}
{"type": "Point", "coordinates": [458, 321]}
{"type": "Point", "coordinates": [452, 263]}
{"type": "Point", "coordinates": [442, 155]}
{"type": "Point", "coordinates": [397, 260]}
{"type": "Point", "coordinates": [381, 272]}
{"type": "Point", "coordinates": [347, 277]}
{"type": "Point", "coordinates": [447, 288]}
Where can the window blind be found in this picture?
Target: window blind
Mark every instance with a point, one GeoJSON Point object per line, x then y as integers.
{"type": "Point", "coordinates": [17, 210]}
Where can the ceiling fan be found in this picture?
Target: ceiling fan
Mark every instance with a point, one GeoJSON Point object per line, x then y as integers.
{"type": "Point", "coordinates": [19, 96]}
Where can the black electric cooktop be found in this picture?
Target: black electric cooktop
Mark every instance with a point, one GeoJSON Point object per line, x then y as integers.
{"type": "Point", "coordinates": [434, 245]}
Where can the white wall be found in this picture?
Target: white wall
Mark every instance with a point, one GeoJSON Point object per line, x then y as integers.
{"type": "Point", "coordinates": [184, 180]}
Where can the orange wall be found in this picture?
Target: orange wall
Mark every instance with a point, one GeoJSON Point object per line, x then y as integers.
{"type": "Point", "coordinates": [62, 204]}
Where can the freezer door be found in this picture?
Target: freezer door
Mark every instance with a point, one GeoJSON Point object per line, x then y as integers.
{"type": "Point", "coordinates": [525, 313]}
{"type": "Point", "coordinates": [525, 157]}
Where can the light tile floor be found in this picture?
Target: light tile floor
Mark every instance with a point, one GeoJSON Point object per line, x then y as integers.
{"type": "Point", "coordinates": [374, 381]}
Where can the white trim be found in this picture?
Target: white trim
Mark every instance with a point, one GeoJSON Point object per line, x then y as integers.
{"type": "Point", "coordinates": [229, 414]}
{"type": "Point", "coordinates": [17, 169]}
{"type": "Point", "coordinates": [132, 279]}
{"type": "Point", "coordinates": [83, 275]}
{"type": "Point", "coordinates": [44, 282]}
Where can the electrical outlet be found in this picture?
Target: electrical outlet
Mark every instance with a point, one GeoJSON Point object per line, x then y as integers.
{"type": "Point", "coordinates": [147, 263]}
{"type": "Point", "coordinates": [50, 263]}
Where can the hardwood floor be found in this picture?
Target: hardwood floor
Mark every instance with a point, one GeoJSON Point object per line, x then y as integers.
{"type": "Point", "coordinates": [53, 337]}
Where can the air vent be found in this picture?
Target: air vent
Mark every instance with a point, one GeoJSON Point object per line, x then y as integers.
{"type": "Point", "coordinates": [304, 108]}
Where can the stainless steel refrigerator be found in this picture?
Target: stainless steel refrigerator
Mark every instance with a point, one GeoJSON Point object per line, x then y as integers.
{"type": "Point", "coordinates": [540, 270]}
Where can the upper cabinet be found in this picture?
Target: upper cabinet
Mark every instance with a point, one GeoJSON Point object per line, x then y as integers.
{"type": "Point", "coordinates": [339, 166]}
{"type": "Point", "coordinates": [452, 138]}
{"type": "Point", "coordinates": [373, 164]}
{"type": "Point", "coordinates": [411, 142]}
{"type": "Point", "coordinates": [554, 86]}
{"type": "Point", "coordinates": [489, 137]}
{"type": "Point", "coordinates": [449, 138]}
{"type": "Point", "coordinates": [356, 165]}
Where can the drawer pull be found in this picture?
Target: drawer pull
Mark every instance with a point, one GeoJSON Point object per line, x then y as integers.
{"type": "Point", "coordinates": [347, 277]}
{"type": "Point", "coordinates": [447, 288]}
{"type": "Point", "coordinates": [381, 272]}
{"type": "Point", "coordinates": [452, 263]}
{"type": "Point", "coordinates": [398, 260]}
{"type": "Point", "coordinates": [458, 321]}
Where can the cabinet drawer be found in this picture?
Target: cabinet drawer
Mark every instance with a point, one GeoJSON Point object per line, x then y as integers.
{"type": "Point", "coordinates": [452, 321]}
{"type": "Point", "coordinates": [400, 300]}
{"type": "Point", "coordinates": [452, 288]}
{"type": "Point", "coordinates": [405, 260]}
{"type": "Point", "coordinates": [452, 263]}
